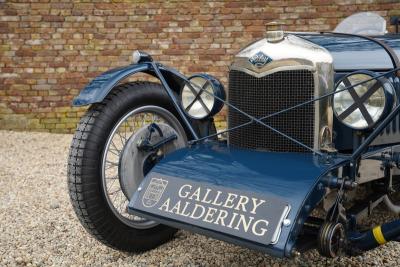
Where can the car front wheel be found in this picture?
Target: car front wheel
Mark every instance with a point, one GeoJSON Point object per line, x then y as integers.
{"type": "Point", "coordinates": [111, 152]}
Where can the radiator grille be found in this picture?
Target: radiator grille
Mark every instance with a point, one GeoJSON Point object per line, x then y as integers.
{"type": "Point", "coordinates": [262, 96]}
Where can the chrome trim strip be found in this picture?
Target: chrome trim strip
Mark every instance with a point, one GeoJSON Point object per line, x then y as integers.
{"type": "Point", "coordinates": [268, 72]}
{"type": "Point", "coordinates": [277, 233]}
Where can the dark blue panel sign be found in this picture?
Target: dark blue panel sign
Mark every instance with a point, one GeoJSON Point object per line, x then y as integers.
{"type": "Point", "coordinates": [244, 214]}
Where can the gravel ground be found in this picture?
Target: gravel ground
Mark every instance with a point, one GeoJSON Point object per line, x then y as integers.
{"type": "Point", "coordinates": [38, 226]}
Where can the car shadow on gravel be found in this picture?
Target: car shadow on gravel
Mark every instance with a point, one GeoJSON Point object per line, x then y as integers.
{"type": "Point", "coordinates": [39, 228]}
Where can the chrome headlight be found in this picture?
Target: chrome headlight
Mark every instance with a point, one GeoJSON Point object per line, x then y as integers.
{"type": "Point", "coordinates": [197, 97]}
{"type": "Point", "coordinates": [362, 106]}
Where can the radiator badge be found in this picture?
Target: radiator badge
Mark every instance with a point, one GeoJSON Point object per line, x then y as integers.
{"type": "Point", "coordinates": [154, 192]}
{"type": "Point", "coordinates": [260, 59]}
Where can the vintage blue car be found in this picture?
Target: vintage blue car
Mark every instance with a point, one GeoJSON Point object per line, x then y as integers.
{"type": "Point", "coordinates": [312, 146]}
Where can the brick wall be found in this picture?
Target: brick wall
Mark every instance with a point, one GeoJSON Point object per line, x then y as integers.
{"type": "Point", "coordinates": [50, 49]}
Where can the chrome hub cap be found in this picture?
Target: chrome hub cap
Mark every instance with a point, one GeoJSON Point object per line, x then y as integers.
{"type": "Point", "coordinates": [124, 165]}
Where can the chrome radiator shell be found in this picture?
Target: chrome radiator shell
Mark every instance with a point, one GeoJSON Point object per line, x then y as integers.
{"type": "Point", "coordinates": [290, 54]}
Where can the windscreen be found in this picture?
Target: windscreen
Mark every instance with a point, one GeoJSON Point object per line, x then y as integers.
{"type": "Point", "coordinates": [364, 23]}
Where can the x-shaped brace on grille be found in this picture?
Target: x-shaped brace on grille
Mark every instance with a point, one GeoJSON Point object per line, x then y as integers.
{"type": "Point", "coordinates": [359, 101]}
{"type": "Point", "coordinates": [252, 119]}
{"type": "Point", "coordinates": [259, 120]}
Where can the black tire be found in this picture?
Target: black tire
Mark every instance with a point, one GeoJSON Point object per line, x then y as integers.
{"type": "Point", "coordinates": [84, 168]}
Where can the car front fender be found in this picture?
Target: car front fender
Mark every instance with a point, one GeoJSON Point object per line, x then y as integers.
{"type": "Point", "coordinates": [99, 87]}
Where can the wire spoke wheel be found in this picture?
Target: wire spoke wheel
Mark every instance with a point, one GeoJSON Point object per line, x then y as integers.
{"type": "Point", "coordinates": [117, 142]}
{"type": "Point", "coordinates": [124, 165]}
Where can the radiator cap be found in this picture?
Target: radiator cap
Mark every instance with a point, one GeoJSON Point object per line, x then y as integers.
{"type": "Point", "coordinates": [274, 32]}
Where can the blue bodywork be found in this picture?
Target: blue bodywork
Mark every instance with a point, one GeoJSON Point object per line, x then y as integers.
{"type": "Point", "coordinates": [100, 86]}
{"type": "Point", "coordinates": [298, 181]}
{"type": "Point", "coordinates": [351, 53]}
